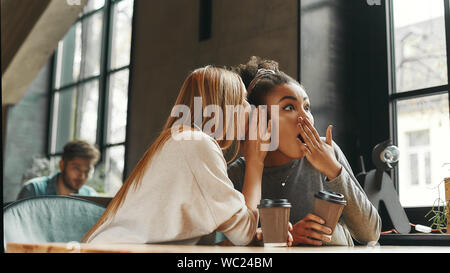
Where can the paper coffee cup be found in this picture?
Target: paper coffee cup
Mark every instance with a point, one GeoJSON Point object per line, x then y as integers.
{"type": "Point", "coordinates": [329, 206]}
{"type": "Point", "coordinates": [274, 215]}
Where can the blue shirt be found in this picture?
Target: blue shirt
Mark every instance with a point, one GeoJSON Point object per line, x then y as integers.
{"type": "Point", "coordinates": [48, 185]}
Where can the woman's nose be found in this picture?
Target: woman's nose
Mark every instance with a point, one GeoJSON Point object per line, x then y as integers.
{"type": "Point", "coordinates": [301, 114]}
{"type": "Point", "coordinates": [304, 115]}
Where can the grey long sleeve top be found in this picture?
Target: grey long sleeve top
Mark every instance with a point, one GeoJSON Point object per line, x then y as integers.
{"type": "Point", "coordinates": [359, 220]}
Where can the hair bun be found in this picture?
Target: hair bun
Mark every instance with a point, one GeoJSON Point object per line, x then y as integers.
{"type": "Point", "coordinates": [248, 71]}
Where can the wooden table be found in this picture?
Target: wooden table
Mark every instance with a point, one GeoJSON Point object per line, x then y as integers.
{"type": "Point", "coordinates": [159, 248]}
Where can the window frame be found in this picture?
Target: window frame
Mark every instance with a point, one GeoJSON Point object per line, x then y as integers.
{"type": "Point", "coordinates": [103, 84]}
{"type": "Point", "coordinates": [411, 94]}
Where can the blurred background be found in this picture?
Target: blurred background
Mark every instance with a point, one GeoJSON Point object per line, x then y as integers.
{"type": "Point", "coordinates": [108, 71]}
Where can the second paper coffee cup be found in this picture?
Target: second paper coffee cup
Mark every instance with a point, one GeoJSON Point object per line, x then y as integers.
{"type": "Point", "coordinates": [329, 206]}
{"type": "Point", "coordinates": [274, 215]}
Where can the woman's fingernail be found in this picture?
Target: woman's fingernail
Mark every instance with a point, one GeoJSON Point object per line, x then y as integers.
{"type": "Point", "coordinates": [327, 238]}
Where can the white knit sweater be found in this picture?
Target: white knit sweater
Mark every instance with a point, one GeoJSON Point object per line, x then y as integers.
{"type": "Point", "coordinates": [185, 194]}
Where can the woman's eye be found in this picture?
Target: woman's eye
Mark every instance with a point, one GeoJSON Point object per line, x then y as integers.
{"type": "Point", "coordinates": [289, 107]}
{"type": "Point", "coordinates": [307, 107]}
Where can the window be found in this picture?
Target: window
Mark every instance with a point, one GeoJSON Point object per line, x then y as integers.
{"type": "Point", "coordinates": [90, 88]}
{"type": "Point", "coordinates": [419, 96]}
{"type": "Point", "coordinates": [418, 155]}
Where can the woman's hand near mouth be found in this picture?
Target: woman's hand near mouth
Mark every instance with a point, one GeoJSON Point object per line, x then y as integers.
{"type": "Point", "coordinates": [320, 154]}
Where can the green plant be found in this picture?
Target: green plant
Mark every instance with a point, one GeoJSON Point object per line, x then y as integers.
{"type": "Point", "coordinates": [97, 181]}
{"type": "Point", "coordinates": [439, 212]}
{"type": "Point", "coordinates": [40, 166]}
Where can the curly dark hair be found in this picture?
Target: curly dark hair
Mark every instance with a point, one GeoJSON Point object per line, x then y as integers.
{"type": "Point", "coordinates": [257, 95]}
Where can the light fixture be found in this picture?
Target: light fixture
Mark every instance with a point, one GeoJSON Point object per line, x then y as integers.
{"type": "Point", "coordinates": [379, 187]}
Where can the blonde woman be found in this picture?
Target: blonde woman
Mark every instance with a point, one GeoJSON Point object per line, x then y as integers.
{"type": "Point", "coordinates": [179, 191]}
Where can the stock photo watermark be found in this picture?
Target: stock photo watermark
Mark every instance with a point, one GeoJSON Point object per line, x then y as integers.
{"type": "Point", "coordinates": [73, 247]}
{"type": "Point", "coordinates": [373, 2]}
{"type": "Point", "coordinates": [212, 120]}
{"type": "Point", "coordinates": [73, 2]}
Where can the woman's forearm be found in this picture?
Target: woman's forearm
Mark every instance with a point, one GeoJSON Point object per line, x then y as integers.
{"type": "Point", "coordinates": [360, 215]}
{"type": "Point", "coordinates": [252, 184]}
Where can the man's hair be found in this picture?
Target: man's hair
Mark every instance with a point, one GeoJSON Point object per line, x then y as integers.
{"type": "Point", "coordinates": [80, 148]}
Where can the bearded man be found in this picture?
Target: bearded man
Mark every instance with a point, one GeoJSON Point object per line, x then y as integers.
{"type": "Point", "coordinates": [76, 166]}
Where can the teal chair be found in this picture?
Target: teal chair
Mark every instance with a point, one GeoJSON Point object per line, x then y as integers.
{"type": "Point", "coordinates": [220, 237]}
{"type": "Point", "coordinates": [49, 219]}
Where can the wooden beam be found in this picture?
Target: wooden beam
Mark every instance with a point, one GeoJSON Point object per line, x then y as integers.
{"type": "Point", "coordinates": [37, 47]}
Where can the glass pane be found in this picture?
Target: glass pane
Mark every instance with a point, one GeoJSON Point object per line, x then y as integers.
{"type": "Point", "coordinates": [75, 115]}
{"type": "Point", "coordinates": [427, 168]}
{"type": "Point", "coordinates": [117, 107]}
{"type": "Point", "coordinates": [93, 5]}
{"type": "Point", "coordinates": [121, 34]}
{"type": "Point", "coordinates": [54, 164]}
{"type": "Point", "coordinates": [97, 180]}
{"type": "Point", "coordinates": [414, 167]}
{"type": "Point", "coordinates": [114, 162]}
{"type": "Point", "coordinates": [423, 139]}
{"type": "Point", "coordinates": [420, 51]}
{"type": "Point", "coordinates": [91, 45]}
{"type": "Point", "coordinates": [65, 63]}
{"type": "Point", "coordinates": [87, 110]}
{"type": "Point", "coordinates": [79, 52]}
{"type": "Point", "coordinates": [63, 118]}
{"type": "Point", "coordinates": [419, 138]}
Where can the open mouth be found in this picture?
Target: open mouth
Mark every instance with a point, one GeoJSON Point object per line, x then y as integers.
{"type": "Point", "coordinates": [299, 136]}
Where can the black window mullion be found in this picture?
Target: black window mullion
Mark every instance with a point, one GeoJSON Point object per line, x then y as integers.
{"type": "Point", "coordinates": [391, 47]}
{"type": "Point", "coordinates": [112, 71]}
{"type": "Point", "coordinates": [109, 145]}
{"type": "Point", "coordinates": [51, 97]}
{"type": "Point", "coordinates": [77, 83]}
{"type": "Point", "coordinates": [103, 84]}
{"type": "Point", "coordinates": [420, 92]}
{"type": "Point", "coordinates": [447, 42]}
{"type": "Point", "coordinates": [392, 88]}
{"type": "Point", "coordinates": [92, 12]}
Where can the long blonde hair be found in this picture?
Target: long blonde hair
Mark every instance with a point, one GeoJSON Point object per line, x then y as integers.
{"type": "Point", "coordinates": [216, 86]}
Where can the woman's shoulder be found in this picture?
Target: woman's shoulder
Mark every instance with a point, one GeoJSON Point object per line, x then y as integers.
{"type": "Point", "coordinates": [193, 140]}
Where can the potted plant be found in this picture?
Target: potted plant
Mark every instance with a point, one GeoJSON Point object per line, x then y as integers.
{"type": "Point", "coordinates": [447, 198]}
{"type": "Point", "coordinates": [441, 209]}
{"type": "Point", "coordinates": [40, 166]}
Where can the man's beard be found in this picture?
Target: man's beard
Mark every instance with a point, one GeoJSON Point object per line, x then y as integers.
{"type": "Point", "coordinates": [66, 180]}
